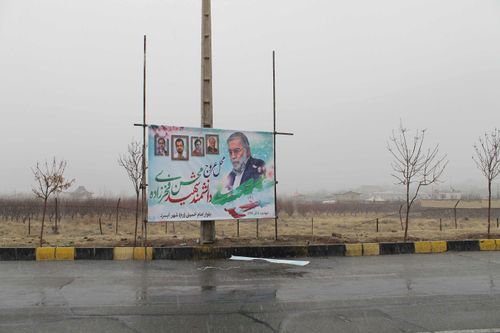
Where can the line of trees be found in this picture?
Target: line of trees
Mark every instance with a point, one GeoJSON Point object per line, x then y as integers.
{"type": "Point", "coordinates": [50, 181]}
{"type": "Point", "coordinates": [290, 206]}
{"type": "Point", "coordinates": [68, 209]}
{"type": "Point", "coordinates": [414, 166]}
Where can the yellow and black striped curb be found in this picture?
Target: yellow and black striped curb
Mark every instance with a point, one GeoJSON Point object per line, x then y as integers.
{"type": "Point", "coordinates": [266, 251]}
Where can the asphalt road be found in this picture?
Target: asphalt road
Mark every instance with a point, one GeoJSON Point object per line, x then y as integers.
{"type": "Point", "coordinates": [405, 293]}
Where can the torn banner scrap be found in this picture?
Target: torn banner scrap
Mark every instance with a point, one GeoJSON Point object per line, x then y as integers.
{"type": "Point", "coordinates": [274, 261]}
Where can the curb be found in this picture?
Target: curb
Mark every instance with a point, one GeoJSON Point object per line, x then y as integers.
{"type": "Point", "coordinates": [267, 251]}
{"type": "Point", "coordinates": [17, 253]}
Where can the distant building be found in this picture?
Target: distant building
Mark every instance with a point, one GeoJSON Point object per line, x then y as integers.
{"type": "Point", "coordinates": [375, 198]}
{"type": "Point", "coordinates": [299, 197]}
{"type": "Point", "coordinates": [386, 196]}
{"type": "Point", "coordinates": [80, 193]}
{"type": "Point", "coordinates": [446, 195]}
{"type": "Point", "coordinates": [366, 189]}
{"type": "Point", "coordinates": [328, 201]}
{"type": "Point", "coordinates": [348, 196]}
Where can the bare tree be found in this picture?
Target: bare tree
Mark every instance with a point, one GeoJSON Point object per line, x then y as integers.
{"type": "Point", "coordinates": [414, 166]}
{"type": "Point", "coordinates": [132, 163]}
{"type": "Point", "coordinates": [49, 180]}
{"type": "Point", "coordinates": [488, 161]}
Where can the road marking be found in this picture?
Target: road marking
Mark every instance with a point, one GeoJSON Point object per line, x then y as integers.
{"type": "Point", "coordinates": [487, 330]}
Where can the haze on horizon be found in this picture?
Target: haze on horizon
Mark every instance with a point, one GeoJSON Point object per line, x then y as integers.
{"type": "Point", "coordinates": [347, 73]}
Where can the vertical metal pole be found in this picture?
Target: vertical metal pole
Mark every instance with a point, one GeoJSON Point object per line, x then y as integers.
{"type": "Point", "coordinates": [257, 228]}
{"type": "Point", "coordinates": [274, 145]}
{"type": "Point", "coordinates": [207, 228]}
{"type": "Point", "coordinates": [455, 213]}
{"type": "Point", "coordinates": [144, 208]}
{"type": "Point", "coordinates": [377, 224]}
{"type": "Point", "coordinates": [117, 214]}
{"type": "Point", "coordinates": [312, 227]}
{"type": "Point", "coordinates": [238, 228]}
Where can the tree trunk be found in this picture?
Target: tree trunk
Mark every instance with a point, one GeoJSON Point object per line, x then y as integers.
{"type": "Point", "coordinates": [489, 207]}
{"type": "Point", "coordinates": [401, 217]}
{"type": "Point", "coordinates": [407, 211]}
{"type": "Point", "coordinates": [136, 217]}
{"type": "Point", "coordinates": [407, 217]}
{"type": "Point", "coordinates": [57, 215]}
{"type": "Point", "coordinates": [43, 221]}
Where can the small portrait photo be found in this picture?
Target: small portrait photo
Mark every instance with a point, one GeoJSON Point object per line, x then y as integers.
{"type": "Point", "coordinates": [161, 146]}
{"type": "Point", "coordinates": [180, 147]}
{"type": "Point", "coordinates": [197, 146]}
{"type": "Point", "coordinates": [212, 144]}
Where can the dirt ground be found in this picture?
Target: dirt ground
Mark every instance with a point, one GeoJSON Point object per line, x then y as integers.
{"type": "Point", "coordinates": [292, 230]}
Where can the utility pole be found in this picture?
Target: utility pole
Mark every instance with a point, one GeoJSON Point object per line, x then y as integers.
{"type": "Point", "coordinates": [144, 203]}
{"type": "Point", "coordinates": [207, 228]}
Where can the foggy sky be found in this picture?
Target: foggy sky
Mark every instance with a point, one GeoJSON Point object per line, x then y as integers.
{"type": "Point", "coordinates": [347, 73]}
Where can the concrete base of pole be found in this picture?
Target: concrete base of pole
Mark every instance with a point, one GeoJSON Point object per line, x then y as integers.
{"type": "Point", "coordinates": [207, 232]}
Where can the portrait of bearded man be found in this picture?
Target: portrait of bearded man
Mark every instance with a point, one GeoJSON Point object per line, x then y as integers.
{"type": "Point", "coordinates": [245, 166]}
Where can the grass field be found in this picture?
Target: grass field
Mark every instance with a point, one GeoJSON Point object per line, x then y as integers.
{"type": "Point", "coordinates": [295, 230]}
{"type": "Point", "coordinates": [470, 204]}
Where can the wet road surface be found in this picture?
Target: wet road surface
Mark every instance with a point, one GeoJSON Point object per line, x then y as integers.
{"type": "Point", "coordinates": [402, 293]}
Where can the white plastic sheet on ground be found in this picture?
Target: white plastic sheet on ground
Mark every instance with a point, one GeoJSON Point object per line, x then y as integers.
{"type": "Point", "coordinates": [274, 261]}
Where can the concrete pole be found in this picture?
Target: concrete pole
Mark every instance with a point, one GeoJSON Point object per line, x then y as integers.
{"type": "Point", "coordinates": [207, 228]}
{"type": "Point", "coordinates": [144, 202]}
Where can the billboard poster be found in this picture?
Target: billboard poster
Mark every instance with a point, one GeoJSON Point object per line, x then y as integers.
{"type": "Point", "coordinates": [209, 174]}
